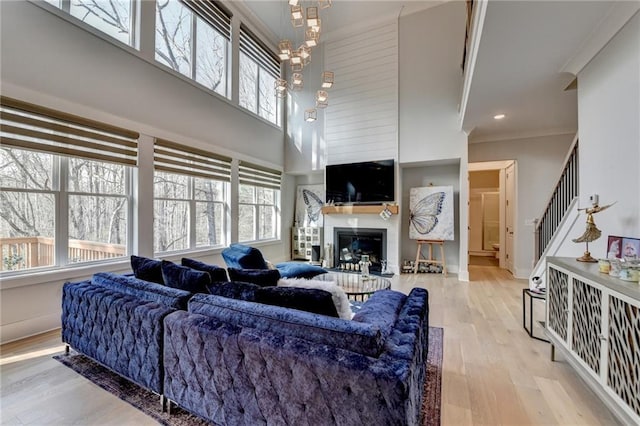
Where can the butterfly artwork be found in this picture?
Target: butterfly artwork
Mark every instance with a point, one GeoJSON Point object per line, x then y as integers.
{"type": "Point", "coordinates": [313, 205]}
{"type": "Point", "coordinates": [309, 203]}
{"type": "Point", "coordinates": [431, 213]}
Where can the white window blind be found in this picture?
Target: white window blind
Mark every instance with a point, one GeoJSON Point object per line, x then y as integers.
{"type": "Point", "coordinates": [214, 13]}
{"type": "Point", "coordinates": [36, 128]}
{"type": "Point", "coordinates": [172, 157]}
{"type": "Point", "coordinates": [253, 47]}
{"type": "Point", "coordinates": [251, 174]}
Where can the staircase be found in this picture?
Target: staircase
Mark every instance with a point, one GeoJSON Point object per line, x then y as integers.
{"type": "Point", "coordinates": [558, 217]}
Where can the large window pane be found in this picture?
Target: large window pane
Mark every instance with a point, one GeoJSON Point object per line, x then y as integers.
{"type": "Point", "coordinates": [97, 227]}
{"type": "Point", "coordinates": [169, 185]}
{"type": "Point", "coordinates": [96, 177]}
{"type": "Point", "coordinates": [27, 224]}
{"type": "Point", "coordinates": [209, 190]}
{"type": "Point", "coordinates": [247, 223]}
{"type": "Point", "coordinates": [246, 194]}
{"type": "Point", "coordinates": [209, 221]}
{"type": "Point", "coordinates": [112, 17]}
{"type": "Point", "coordinates": [173, 35]}
{"type": "Point", "coordinates": [267, 98]}
{"type": "Point", "coordinates": [266, 195]}
{"type": "Point", "coordinates": [248, 83]}
{"type": "Point", "coordinates": [170, 225]}
{"type": "Point", "coordinates": [211, 53]}
{"type": "Point", "coordinates": [267, 222]}
{"type": "Point", "coordinates": [26, 169]}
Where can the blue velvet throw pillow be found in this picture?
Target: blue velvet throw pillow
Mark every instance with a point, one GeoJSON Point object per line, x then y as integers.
{"type": "Point", "coordinates": [234, 290]}
{"type": "Point", "coordinates": [299, 270]}
{"type": "Point", "coordinates": [261, 277]}
{"type": "Point", "coordinates": [184, 278]}
{"type": "Point", "coordinates": [217, 273]}
{"type": "Point", "coordinates": [241, 256]}
{"type": "Point", "coordinates": [147, 269]}
{"type": "Point", "coordinates": [303, 299]}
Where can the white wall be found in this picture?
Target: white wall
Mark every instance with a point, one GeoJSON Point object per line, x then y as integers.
{"type": "Point", "coordinates": [609, 131]}
{"type": "Point", "coordinates": [430, 83]}
{"type": "Point", "coordinates": [48, 61]}
{"type": "Point", "coordinates": [361, 122]}
{"type": "Point", "coordinates": [440, 175]}
{"type": "Point", "coordinates": [539, 163]}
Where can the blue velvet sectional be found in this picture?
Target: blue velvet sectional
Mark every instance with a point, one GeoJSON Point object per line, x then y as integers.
{"type": "Point", "coordinates": [238, 362]}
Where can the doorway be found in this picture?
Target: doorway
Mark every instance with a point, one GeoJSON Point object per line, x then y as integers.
{"type": "Point", "coordinates": [492, 195]}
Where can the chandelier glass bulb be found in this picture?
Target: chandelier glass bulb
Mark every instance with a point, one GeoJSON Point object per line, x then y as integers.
{"type": "Point", "coordinates": [310, 114]}
{"type": "Point", "coordinates": [280, 87]}
{"type": "Point", "coordinates": [284, 50]}
{"type": "Point", "coordinates": [304, 53]}
{"type": "Point", "coordinates": [295, 2]}
{"type": "Point", "coordinates": [318, 26]}
{"type": "Point", "coordinates": [312, 16]}
{"type": "Point", "coordinates": [322, 99]}
{"type": "Point", "coordinates": [327, 79]}
{"type": "Point", "coordinates": [296, 81]}
{"type": "Point", "coordinates": [297, 16]}
{"type": "Point", "coordinates": [311, 38]}
{"type": "Point", "coordinates": [322, 3]}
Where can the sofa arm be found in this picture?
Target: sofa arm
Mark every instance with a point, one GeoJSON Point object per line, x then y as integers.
{"type": "Point", "coordinates": [239, 375]}
{"type": "Point", "coordinates": [120, 331]}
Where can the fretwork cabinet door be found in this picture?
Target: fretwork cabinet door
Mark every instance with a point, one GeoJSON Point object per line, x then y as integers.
{"type": "Point", "coordinates": [558, 303]}
{"type": "Point", "coordinates": [622, 373]}
{"type": "Point", "coordinates": [586, 323]}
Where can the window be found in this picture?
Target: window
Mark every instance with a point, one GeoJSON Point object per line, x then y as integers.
{"type": "Point", "coordinates": [112, 17]}
{"type": "Point", "coordinates": [259, 69]}
{"type": "Point", "coordinates": [258, 203]}
{"type": "Point", "coordinates": [190, 197]}
{"type": "Point", "coordinates": [65, 188]}
{"type": "Point", "coordinates": [192, 38]}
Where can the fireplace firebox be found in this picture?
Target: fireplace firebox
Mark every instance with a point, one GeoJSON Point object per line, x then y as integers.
{"type": "Point", "coordinates": [351, 243]}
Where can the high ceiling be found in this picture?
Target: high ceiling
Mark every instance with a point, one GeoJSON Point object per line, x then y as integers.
{"type": "Point", "coordinates": [518, 72]}
{"type": "Point", "coordinates": [523, 50]}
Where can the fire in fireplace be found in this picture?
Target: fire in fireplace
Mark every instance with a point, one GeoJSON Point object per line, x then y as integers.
{"type": "Point", "coordinates": [351, 243]}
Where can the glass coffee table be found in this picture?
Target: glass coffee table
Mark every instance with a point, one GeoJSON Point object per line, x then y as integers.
{"type": "Point", "coordinates": [356, 287]}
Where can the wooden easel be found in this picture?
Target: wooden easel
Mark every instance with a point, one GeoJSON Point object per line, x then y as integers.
{"type": "Point", "coordinates": [431, 243]}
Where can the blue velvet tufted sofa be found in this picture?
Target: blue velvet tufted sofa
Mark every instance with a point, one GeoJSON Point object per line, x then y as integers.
{"type": "Point", "coordinates": [242, 363]}
{"type": "Point", "coordinates": [236, 362]}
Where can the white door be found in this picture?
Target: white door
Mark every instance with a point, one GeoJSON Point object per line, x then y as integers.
{"type": "Point", "coordinates": [510, 189]}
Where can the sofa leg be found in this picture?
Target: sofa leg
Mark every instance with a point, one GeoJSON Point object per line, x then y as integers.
{"type": "Point", "coordinates": [66, 349]}
{"type": "Point", "coordinates": [169, 405]}
{"type": "Point", "coordinates": [162, 403]}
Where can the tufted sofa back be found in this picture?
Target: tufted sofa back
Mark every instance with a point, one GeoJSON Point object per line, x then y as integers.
{"type": "Point", "coordinates": [128, 284]}
{"type": "Point", "coordinates": [256, 370]}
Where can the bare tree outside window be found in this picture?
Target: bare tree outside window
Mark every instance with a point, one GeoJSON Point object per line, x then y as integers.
{"type": "Point", "coordinates": [257, 213]}
{"type": "Point", "coordinates": [112, 17]}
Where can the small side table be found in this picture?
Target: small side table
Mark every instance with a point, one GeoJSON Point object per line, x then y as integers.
{"type": "Point", "coordinates": [526, 292]}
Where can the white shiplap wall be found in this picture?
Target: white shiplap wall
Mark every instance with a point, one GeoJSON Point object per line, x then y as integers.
{"type": "Point", "coordinates": [361, 122]}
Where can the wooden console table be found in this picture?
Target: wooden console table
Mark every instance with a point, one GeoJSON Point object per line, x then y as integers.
{"type": "Point", "coordinates": [594, 320]}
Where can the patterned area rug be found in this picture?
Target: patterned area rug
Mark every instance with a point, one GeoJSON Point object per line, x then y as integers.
{"type": "Point", "coordinates": [149, 402]}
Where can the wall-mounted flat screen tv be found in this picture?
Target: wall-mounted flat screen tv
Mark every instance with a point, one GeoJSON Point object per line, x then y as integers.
{"type": "Point", "coordinates": [371, 182]}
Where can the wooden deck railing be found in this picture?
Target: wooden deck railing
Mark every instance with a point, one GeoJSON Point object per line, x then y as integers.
{"type": "Point", "coordinates": [31, 252]}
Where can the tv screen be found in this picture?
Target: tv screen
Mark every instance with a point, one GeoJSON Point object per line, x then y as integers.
{"type": "Point", "coordinates": [371, 182]}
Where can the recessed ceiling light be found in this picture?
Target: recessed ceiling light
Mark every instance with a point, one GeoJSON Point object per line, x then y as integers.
{"type": "Point", "coordinates": [499, 116]}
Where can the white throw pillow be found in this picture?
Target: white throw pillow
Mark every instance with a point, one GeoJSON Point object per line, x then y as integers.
{"type": "Point", "coordinates": [340, 299]}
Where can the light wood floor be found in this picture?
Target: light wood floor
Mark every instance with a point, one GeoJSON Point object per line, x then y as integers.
{"type": "Point", "coordinates": [493, 373]}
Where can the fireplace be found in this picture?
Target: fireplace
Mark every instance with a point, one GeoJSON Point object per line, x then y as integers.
{"type": "Point", "coordinates": [351, 243]}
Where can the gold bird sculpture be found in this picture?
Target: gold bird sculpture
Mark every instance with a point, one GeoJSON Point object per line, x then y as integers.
{"type": "Point", "coordinates": [592, 232]}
